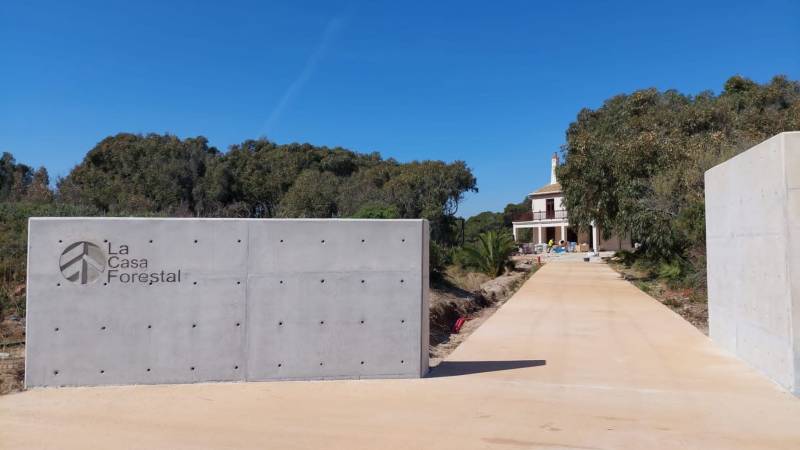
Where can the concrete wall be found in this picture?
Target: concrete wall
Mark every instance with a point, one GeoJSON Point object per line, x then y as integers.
{"type": "Point", "coordinates": [753, 243]}
{"type": "Point", "coordinates": [224, 300]}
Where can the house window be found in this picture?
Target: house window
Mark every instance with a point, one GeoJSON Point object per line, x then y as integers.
{"type": "Point", "coordinates": [550, 206]}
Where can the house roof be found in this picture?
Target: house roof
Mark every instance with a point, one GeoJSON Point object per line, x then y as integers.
{"type": "Point", "coordinates": [547, 189]}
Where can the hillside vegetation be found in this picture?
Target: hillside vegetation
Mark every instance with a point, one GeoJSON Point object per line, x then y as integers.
{"type": "Point", "coordinates": [635, 165]}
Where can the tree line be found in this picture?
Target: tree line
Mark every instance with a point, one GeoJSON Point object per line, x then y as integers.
{"type": "Point", "coordinates": [636, 164]}
{"type": "Point", "coordinates": [163, 175]}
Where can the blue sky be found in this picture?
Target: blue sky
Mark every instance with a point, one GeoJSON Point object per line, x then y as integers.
{"type": "Point", "coordinates": [493, 83]}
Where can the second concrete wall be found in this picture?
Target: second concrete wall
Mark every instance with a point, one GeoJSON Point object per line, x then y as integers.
{"type": "Point", "coordinates": [753, 243]}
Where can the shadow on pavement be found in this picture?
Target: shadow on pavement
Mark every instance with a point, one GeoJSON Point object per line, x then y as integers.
{"type": "Point", "coordinates": [456, 368]}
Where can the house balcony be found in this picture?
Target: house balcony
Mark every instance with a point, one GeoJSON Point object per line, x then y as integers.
{"type": "Point", "coordinates": [541, 217]}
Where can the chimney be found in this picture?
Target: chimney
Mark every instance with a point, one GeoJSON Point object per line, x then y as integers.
{"type": "Point", "coordinates": [553, 164]}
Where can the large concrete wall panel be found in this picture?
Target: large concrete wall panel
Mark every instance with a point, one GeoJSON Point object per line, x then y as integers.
{"type": "Point", "coordinates": [751, 251]}
{"type": "Point", "coordinates": [250, 300]}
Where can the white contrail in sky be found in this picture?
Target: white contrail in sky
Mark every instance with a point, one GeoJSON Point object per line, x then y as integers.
{"type": "Point", "coordinates": [331, 30]}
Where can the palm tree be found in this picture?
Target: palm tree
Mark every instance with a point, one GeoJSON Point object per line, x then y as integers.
{"type": "Point", "coordinates": [491, 253]}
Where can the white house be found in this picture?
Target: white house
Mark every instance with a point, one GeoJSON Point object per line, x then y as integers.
{"type": "Point", "coordinates": [549, 219]}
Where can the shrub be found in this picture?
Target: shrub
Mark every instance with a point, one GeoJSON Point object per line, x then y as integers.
{"type": "Point", "coordinates": [669, 271]}
{"type": "Point", "coordinates": [438, 258]}
{"type": "Point", "coordinates": [490, 254]}
{"type": "Point", "coordinates": [626, 257]}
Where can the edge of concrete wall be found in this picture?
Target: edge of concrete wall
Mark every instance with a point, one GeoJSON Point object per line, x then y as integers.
{"type": "Point", "coordinates": [728, 338]}
{"type": "Point", "coordinates": [791, 164]}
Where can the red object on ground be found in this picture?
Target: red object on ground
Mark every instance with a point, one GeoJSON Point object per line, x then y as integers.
{"type": "Point", "coordinates": [459, 323]}
{"type": "Point", "coordinates": [539, 259]}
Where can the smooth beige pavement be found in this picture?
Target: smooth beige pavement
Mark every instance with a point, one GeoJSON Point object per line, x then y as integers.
{"type": "Point", "coordinates": [577, 359]}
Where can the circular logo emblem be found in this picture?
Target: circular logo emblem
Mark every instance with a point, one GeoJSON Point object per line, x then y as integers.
{"type": "Point", "coordinates": [82, 262]}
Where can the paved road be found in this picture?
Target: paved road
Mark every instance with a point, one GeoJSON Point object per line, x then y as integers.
{"type": "Point", "coordinates": [578, 359]}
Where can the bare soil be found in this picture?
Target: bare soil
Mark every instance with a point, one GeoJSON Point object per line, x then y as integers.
{"type": "Point", "coordinates": [471, 295]}
{"type": "Point", "coordinates": [12, 354]}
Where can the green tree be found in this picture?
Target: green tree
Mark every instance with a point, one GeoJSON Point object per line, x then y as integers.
{"type": "Point", "coordinates": [635, 166]}
{"type": "Point", "coordinates": [377, 211]}
{"type": "Point", "coordinates": [19, 182]}
{"type": "Point", "coordinates": [481, 223]}
{"type": "Point", "coordinates": [136, 173]}
{"type": "Point", "coordinates": [313, 194]}
{"type": "Point", "coordinates": [431, 190]}
{"type": "Point", "coordinates": [513, 209]}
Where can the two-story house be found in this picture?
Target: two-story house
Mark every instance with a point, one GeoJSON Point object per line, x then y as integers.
{"type": "Point", "coordinates": [549, 219]}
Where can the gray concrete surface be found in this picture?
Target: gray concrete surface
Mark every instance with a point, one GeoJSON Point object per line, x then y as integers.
{"type": "Point", "coordinates": [224, 300]}
{"type": "Point", "coordinates": [753, 242]}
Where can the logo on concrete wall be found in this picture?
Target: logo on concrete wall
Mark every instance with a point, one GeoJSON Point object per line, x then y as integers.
{"type": "Point", "coordinates": [82, 262]}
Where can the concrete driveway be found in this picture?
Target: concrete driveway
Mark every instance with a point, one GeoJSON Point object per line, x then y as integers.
{"type": "Point", "coordinates": [577, 359]}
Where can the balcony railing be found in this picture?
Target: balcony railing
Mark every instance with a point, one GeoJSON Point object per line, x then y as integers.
{"type": "Point", "coordinates": [540, 216]}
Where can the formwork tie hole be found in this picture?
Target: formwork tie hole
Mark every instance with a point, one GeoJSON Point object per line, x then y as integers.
{"type": "Point", "coordinates": [102, 371]}
{"type": "Point", "coordinates": [151, 241]}
{"type": "Point", "coordinates": [238, 282]}
{"type": "Point", "coordinates": [320, 364]}
{"type": "Point", "coordinates": [322, 322]}
{"type": "Point", "coordinates": [191, 368]}
{"type": "Point", "coordinates": [105, 284]}
{"type": "Point", "coordinates": [281, 282]}
{"type": "Point", "coordinates": [362, 321]}
{"type": "Point", "coordinates": [194, 283]}
{"type": "Point", "coordinates": [402, 281]}
{"type": "Point", "coordinates": [58, 284]}
{"type": "Point", "coordinates": [235, 367]}
{"type": "Point", "coordinates": [322, 241]}
{"type": "Point", "coordinates": [281, 241]}
{"type": "Point", "coordinates": [55, 372]}
{"type": "Point", "coordinates": [238, 240]}
{"type": "Point", "coordinates": [402, 321]}
{"type": "Point", "coordinates": [194, 325]}
{"type": "Point", "coordinates": [56, 329]}
{"type": "Point", "coordinates": [280, 323]}
{"type": "Point", "coordinates": [195, 241]}
{"type": "Point", "coordinates": [362, 363]}
{"type": "Point", "coordinates": [363, 240]}
{"type": "Point", "coordinates": [149, 327]}
{"type": "Point", "coordinates": [148, 369]}
{"type": "Point", "coordinates": [280, 365]}
{"type": "Point", "coordinates": [103, 327]}
{"type": "Point", "coordinates": [322, 280]}
{"type": "Point", "coordinates": [60, 241]}
{"type": "Point", "coordinates": [362, 281]}
{"type": "Point", "coordinates": [402, 361]}
{"type": "Point", "coordinates": [237, 324]}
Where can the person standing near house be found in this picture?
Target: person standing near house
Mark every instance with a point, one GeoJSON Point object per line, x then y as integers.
{"type": "Point", "coordinates": [549, 245]}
